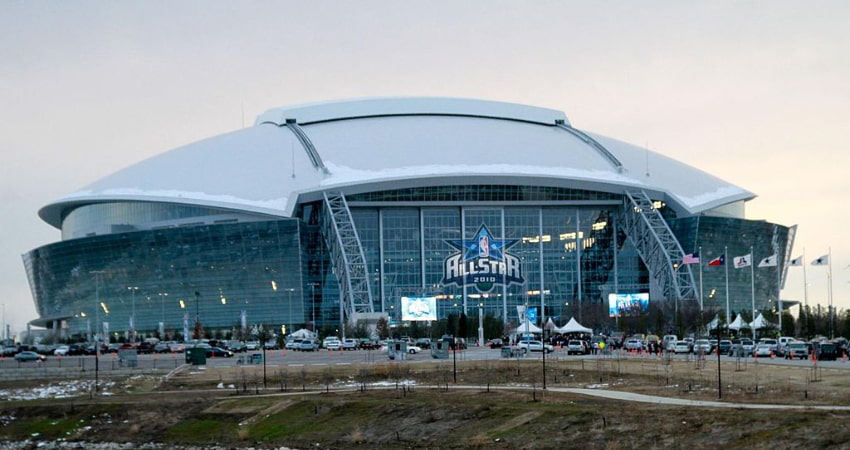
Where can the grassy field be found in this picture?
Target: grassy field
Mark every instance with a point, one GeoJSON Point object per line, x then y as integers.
{"type": "Point", "coordinates": [416, 406]}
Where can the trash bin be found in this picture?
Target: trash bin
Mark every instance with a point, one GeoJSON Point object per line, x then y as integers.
{"type": "Point", "coordinates": [257, 358]}
{"type": "Point", "coordinates": [196, 356]}
{"type": "Point", "coordinates": [507, 352]}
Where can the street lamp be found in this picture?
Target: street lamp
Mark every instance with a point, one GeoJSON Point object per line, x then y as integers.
{"type": "Point", "coordinates": [133, 290]}
{"type": "Point", "coordinates": [481, 323]}
{"type": "Point", "coordinates": [162, 296]}
{"type": "Point", "coordinates": [290, 291]}
{"type": "Point", "coordinates": [97, 274]}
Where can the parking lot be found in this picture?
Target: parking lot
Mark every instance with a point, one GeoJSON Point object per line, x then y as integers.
{"type": "Point", "coordinates": [288, 358]}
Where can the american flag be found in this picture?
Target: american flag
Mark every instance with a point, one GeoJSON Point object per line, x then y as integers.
{"type": "Point", "coordinates": [691, 258]}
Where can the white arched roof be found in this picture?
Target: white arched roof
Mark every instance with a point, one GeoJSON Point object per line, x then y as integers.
{"type": "Point", "coordinates": [376, 144]}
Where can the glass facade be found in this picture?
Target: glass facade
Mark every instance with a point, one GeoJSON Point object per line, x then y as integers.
{"type": "Point", "coordinates": [715, 236]}
{"type": "Point", "coordinates": [117, 217]}
{"type": "Point", "coordinates": [565, 256]}
{"type": "Point", "coordinates": [492, 247]}
{"type": "Point", "coordinates": [253, 267]}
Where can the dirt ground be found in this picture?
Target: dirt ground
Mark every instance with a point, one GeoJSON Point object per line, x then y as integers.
{"type": "Point", "coordinates": [398, 405]}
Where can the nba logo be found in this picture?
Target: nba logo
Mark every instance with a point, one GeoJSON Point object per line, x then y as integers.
{"type": "Point", "coordinates": [483, 247]}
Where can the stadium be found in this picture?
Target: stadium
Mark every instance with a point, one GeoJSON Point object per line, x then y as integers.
{"type": "Point", "coordinates": [324, 214]}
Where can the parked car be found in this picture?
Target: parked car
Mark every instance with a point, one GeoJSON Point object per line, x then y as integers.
{"type": "Point", "coordinates": [350, 344]}
{"type": "Point", "coordinates": [762, 349]}
{"type": "Point", "coordinates": [217, 352]}
{"type": "Point", "coordinates": [725, 346]}
{"type": "Point", "coordinates": [146, 347]}
{"type": "Point", "coordinates": [177, 347]}
{"type": "Point", "coordinates": [29, 356]}
{"type": "Point", "coordinates": [293, 344]}
{"type": "Point", "coordinates": [702, 346]}
{"type": "Point", "coordinates": [576, 347]}
{"type": "Point", "coordinates": [334, 344]}
{"type": "Point", "coordinates": [162, 347]}
{"type": "Point", "coordinates": [412, 349]}
{"type": "Point", "coordinates": [633, 344]}
{"type": "Point", "coordinates": [252, 345]}
{"type": "Point", "coordinates": [62, 350]}
{"type": "Point", "coordinates": [534, 346]}
{"type": "Point", "coordinates": [682, 347]}
{"type": "Point", "coordinates": [424, 343]}
{"type": "Point", "coordinates": [495, 343]}
{"type": "Point", "coordinates": [771, 342]}
{"type": "Point", "coordinates": [308, 345]}
{"type": "Point", "coordinates": [796, 350]}
{"type": "Point", "coordinates": [368, 344]}
{"type": "Point", "coordinates": [332, 340]}
{"type": "Point", "coordinates": [735, 349]}
{"type": "Point", "coordinates": [827, 352]}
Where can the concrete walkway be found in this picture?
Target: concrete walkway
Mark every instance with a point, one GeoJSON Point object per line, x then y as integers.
{"type": "Point", "coordinates": [672, 401]}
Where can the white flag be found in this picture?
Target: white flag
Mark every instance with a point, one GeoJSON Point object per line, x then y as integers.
{"type": "Point", "coordinates": [822, 261]}
{"type": "Point", "coordinates": [743, 261]}
{"type": "Point", "coordinates": [770, 261]}
{"type": "Point", "coordinates": [798, 261]}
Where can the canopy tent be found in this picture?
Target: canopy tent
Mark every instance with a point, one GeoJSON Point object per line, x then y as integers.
{"type": "Point", "coordinates": [303, 334]}
{"type": "Point", "coordinates": [550, 325]}
{"type": "Point", "coordinates": [715, 322]}
{"type": "Point", "coordinates": [759, 323]}
{"type": "Point", "coordinates": [573, 327]}
{"type": "Point", "coordinates": [528, 327]}
{"type": "Point", "coordinates": [738, 323]}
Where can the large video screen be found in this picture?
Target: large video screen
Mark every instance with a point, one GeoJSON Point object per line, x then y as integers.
{"type": "Point", "coordinates": [620, 305]}
{"type": "Point", "coordinates": [418, 308]}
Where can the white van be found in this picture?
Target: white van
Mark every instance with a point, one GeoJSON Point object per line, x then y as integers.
{"type": "Point", "coordinates": [668, 342]}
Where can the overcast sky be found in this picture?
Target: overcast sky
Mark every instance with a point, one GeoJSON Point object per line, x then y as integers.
{"type": "Point", "coordinates": [756, 93]}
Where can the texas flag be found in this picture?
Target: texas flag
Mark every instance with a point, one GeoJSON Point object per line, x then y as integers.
{"type": "Point", "coordinates": [719, 261]}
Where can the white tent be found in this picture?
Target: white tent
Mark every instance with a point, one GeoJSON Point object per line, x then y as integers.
{"type": "Point", "coordinates": [738, 323]}
{"type": "Point", "coordinates": [528, 327]}
{"type": "Point", "coordinates": [550, 325]}
{"type": "Point", "coordinates": [714, 323]}
{"type": "Point", "coordinates": [303, 334]}
{"type": "Point", "coordinates": [759, 323]}
{"type": "Point", "coordinates": [573, 327]}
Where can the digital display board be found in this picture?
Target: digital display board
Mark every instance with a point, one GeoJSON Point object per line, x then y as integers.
{"type": "Point", "coordinates": [418, 308]}
{"type": "Point", "coordinates": [620, 305]}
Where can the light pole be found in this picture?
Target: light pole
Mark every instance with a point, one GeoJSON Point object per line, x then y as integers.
{"type": "Point", "coordinates": [480, 323]}
{"type": "Point", "coordinates": [313, 305]}
{"type": "Point", "coordinates": [162, 296]}
{"type": "Point", "coordinates": [97, 274]}
{"type": "Point", "coordinates": [133, 290]}
{"type": "Point", "coordinates": [199, 331]}
{"type": "Point", "coordinates": [290, 291]}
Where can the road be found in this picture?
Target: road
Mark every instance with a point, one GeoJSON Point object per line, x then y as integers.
{"type": "Point", "coordinates": [289, 358]}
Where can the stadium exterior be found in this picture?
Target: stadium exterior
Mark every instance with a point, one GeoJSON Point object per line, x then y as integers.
{"type": "Point", "coordinates": [339, 209]}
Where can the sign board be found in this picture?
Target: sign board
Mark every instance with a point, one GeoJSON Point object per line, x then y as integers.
{"type": "Point", "coordinates": [418, 308]}
{"type": "Point", "coordinates": [620, 305]}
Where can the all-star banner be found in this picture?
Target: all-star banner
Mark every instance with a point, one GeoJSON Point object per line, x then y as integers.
{"type": "Point", "coordinates": [483, 262]}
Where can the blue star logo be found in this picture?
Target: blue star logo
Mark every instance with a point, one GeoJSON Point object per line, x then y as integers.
{"type": "Point", "coordinates": [483, 245]}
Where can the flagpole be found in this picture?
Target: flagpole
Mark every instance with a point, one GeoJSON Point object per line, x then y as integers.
{"type": "Point", "coordinates": [700, 281]}
{"type": "Point", "coordinates": [726, 266]}
{"type": "Point", "coordinates": [779, 292]}
{"type": "Point", "coordinates": [805, 283]}
{"type": "Point", "coordinates": [831, 313]}
{"type": "Point", "coordinates": [753, 289]}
